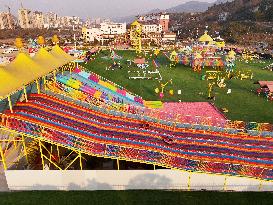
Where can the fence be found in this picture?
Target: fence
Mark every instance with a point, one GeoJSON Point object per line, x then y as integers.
{"type": "Point", "coordinates": [130, 179]}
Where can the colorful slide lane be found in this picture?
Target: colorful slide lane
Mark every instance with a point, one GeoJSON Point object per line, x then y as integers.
{"type": "Point", "coordinates": [107, 135]}
{"type": "Point", "coordinates": [98, 88]}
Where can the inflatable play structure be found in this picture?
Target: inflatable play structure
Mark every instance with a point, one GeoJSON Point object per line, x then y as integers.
{"type": "Point", "coordinates": [206, 52]}
{"type": "Point", "coordinates": [51, 100]}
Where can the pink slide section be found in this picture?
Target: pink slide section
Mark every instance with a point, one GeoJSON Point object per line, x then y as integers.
{"type": "Point", "coordinates": [202, 109]}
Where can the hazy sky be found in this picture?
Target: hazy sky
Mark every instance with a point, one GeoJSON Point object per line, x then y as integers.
{"type": "Point", "coordinates": [93, 8]}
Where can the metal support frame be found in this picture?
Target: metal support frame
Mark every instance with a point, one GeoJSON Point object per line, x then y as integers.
{"type": "Point", "coordinates": [44, 157]}
{"type": "Point", "coordinates": [38, 86]}
{"type": "Point", "coordinates": [49, 158]}
{"type": "Point", "coordinates": [45, 82]}
{"type": "Point", "coordinates": [10, 104]}
{"type": "Point", "coordinates": [225, 184]}
{"type": "Point", "coordinates": [58, 152]}
{"type": "Point", "coordinates": [25, 148]}
{"type": "Point", "coordinates": [3, 159]}
{"type": "Point", "coordinates": [118, 163]}
{"type": "Point", "coordinates": [5, 144]}
{"type": "Point", "coordinates": [25, 93]}
{"type": "Point", "coordinates": [260, 185]}
{"type": "Point", "coordinates": [189, 181]}
{"type": "Point", "coordinates": [55, 78]}
{"type": "Point", "coordinates": [41, 152]}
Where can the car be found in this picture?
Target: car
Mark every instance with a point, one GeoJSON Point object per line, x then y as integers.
{"type": "Point", "coordinates": [7, 51]}
{"type": "Point", "coordinates": [3, 46]}
{"type": "Point", "coordinates": [13, 49]}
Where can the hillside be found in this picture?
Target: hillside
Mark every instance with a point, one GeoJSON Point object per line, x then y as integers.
{"type": "Point", "coordinates": [194, 6]}
{"type": "Point", "coordinates": [241, 21]}
{"type": "Point", "coordinates": [188, 7]}
{"type": "Point", "coordinates": [243, 10]}
{"type": "Point", "coordinates": [191, 6]}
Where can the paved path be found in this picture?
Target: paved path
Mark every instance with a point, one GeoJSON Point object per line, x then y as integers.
{"type": "Point", "coordinates": [11, 156]}
{"type": "Point", "coordinates": [3, 180]}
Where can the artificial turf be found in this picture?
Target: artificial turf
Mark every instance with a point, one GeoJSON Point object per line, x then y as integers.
{"type": "Point", "coordinates": [133, 197]}
{"type": "Point", "coordinates": [242, 104]}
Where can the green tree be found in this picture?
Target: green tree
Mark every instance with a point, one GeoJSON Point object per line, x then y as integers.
{"type": "Point", "coordinates": [41, 41]}
{"type": "Point", "coordinates": [55, 40]}
{"type": "Point", "coordinates": [19, 43]}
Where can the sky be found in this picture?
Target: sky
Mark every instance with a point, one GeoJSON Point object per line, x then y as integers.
{"type": "Point", "coordinates": [92, 8]}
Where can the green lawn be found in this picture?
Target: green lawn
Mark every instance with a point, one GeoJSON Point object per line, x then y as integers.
{"type": "Point", "coordinates": [133, 197]}
{"type": "Point", "coordinates": [242, 103]}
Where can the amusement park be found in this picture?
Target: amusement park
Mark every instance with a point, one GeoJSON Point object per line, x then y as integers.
{"type": "Point", "coordinates": [136, 113]}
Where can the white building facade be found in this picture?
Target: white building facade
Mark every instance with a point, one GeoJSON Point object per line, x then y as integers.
{"type": "Point", "coordinates": [104, 30]}
{"type": "Point", "coordinates": [90, 34]}
{"type": "Point", "coordinates": [110, 28]}
{"type": "Point", "coordinates": [152, 28]}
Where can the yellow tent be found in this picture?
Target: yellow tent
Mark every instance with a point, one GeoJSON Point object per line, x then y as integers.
{"type": "Point", "coordinates": [205, 38]}
{"type": "Point", "coordinates": [135, 23]}
{"type": "Point", "coordinates": [61, 55]}
{"type": "Point", "coordinates": [47, 60]}
{"type": "Point", "coordinates": [25, 69]}
{"type": "Point", "coordinates": [173, 53]}
{"type": "Point", "coordinates": [8, 83]}
{"type": "Point", "coordinates": [220, 44]}
{"type": "Point", "coordinates": [232, 54]}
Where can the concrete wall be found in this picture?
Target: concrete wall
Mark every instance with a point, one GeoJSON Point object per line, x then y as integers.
{"type": "Point", "coordinates": [128, 179]}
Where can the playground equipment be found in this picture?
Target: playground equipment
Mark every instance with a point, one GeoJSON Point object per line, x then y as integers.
{"type": "Point", "coordinates": [245, 74]}
{"type": "Point", "coordinates": [143, 71]}
{"type": "Point", "coordinates": [230, 61]}
{"type": "Point", "coordinates": [199, 57]}
{"type": "Point", "coordinates": [142, 135]}
{"type": "Point", "coordinates": [156, 52]}
{"type": "Point", "coordinates": [135, 36]}
{"type": "Point", "coordinates": [266, 89]}
{"type": "Point", "coordinates": [248, 56]}
{"type": "Point", "coordinates": [173, 59]}
{"type": "Point", "coordinates": [91, 135]}
{"type": "Point", "coordinates": [269, 67]}
{"type": "Point", "coordinates": [210, 90]}
{"type": "Point", "coordinates": [221, 83]}
{"type": "Point", "coordinates": [196, 63]}
{"type": "Point", "coordinates": [160, 90]}
{"type": "Point", "coordinates": [115, 56]}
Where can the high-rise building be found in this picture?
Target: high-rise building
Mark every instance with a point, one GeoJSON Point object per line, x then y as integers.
{"type": "Point", "coordinates": [155, 22]}
{"type": "Point", "coordinates": [25, 18]}
{"type": "Point", "coordinates": [30, 19]}
{"type": "Point", "coordinates": [50, 20]}
{"type": "Point", "coordinates": [38, 19]}
{"type": "Point", "coordinates": [7, 21]}
{"type": "Point", "coordinates": [164, 21]}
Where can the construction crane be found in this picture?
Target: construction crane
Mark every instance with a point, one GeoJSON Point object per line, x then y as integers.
{"type": "Point", "coordinates": [21, 3]}
{"type": "Point", "coordinates": [8, 8]}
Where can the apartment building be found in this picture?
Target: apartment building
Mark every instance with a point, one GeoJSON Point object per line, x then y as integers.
{"type": "Point", "coordinates": [7, 21]}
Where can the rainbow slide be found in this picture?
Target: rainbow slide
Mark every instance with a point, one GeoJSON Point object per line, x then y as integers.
{"type": "Point", "coordinates": [94, 78]}
{"type": "Point", "coordinates": [99, 90]}
{"type": "Point", "coordinates": [103, 134]}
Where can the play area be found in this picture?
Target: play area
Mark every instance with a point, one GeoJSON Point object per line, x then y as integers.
{"type": "Point", "coordinates": [211, 113]}
{"type": "Point", "coordinates": [232, 88]}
